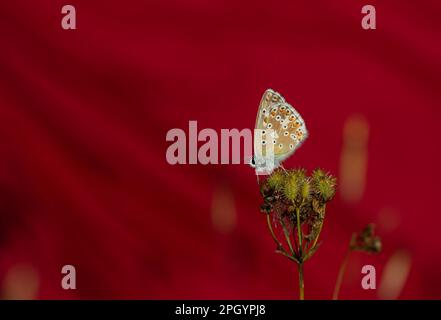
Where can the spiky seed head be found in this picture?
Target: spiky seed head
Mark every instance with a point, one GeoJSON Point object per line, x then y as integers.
{"type": "Point", "coordinates": [326, 188]}
{"type": "Point", "coordinates": [323, 185]}
{"type": "Point", "coordinates": [305, 189]}
{"type": "Point", "coordinates": [291, 187]}
{"type": "Point", "coordinates": [276, 180]}
{"type": "Point", "coordinates": [318, 174]}
{"type": "Point", "coordinates": [300, 173]}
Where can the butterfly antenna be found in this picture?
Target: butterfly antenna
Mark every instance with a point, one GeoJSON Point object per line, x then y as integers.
{"type": "Point", "coordinates": [284, 170]}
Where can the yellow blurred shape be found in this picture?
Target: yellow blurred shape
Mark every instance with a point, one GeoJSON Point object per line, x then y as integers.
{"type": "Point", "coordinates": [223, 211]}
{"type": "Point", "coordinates": [353, 161]}
{"type": "Point", "coordinates": [395, 275]}
{"type": "Point", "coordinates": [21, 282]}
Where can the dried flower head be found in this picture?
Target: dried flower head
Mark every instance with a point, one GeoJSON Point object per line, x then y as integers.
{"type": "Point", "coordinates": [276, 180]}
{"type": "Point", "coordinates": [366, 240]}
{"type": "Point", "coordinates": [297, 200]}
{"type": "Point", "coordinates": [324, 185]}
{"type": "Point", "coordinates": [291, 188]}
{"type": "Point", "coordinates": [318, 174]}
{"type": "Point", "coordinates": [296, 204]}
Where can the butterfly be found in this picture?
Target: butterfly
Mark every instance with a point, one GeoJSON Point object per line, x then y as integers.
{"type": "Point", "coordinates": [279, 132]}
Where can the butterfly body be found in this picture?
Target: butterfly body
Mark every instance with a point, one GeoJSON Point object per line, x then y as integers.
{"type": "Point", "coordinates": [279, 132]}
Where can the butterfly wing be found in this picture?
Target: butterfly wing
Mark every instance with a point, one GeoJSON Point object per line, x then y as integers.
{"type": "Point", "coordinates": [289, 129]}
{"type": "Point", "coordinates": [269, 99]}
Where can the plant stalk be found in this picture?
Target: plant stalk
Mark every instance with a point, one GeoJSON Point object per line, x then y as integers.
{"type": "Point", "coordinates": [299, 230]}
{"type": "Point", "coordinates": [318, 236]}
{"type": "Point", "coordinates": [341, 273]}
{"type": "Point", "coordinates": [273, 235]}
{"type": "Point", "coordinates": [301, 282]}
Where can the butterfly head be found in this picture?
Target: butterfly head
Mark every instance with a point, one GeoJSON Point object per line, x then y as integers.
{"type": "Point", "coordinates": [263, 165]}
{"type": "Point", "coordinates": [252, 163]}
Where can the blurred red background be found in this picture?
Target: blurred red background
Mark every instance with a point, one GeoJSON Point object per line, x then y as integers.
{"type": "Point", "coordinates": [84, 115]}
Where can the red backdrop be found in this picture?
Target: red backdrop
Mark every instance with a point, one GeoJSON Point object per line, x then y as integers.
{"type": "Point", "coordinates": [83, 119]}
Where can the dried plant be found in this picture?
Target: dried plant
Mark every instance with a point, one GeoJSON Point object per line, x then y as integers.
{"type": "Point", "coordinates": [296, 203]}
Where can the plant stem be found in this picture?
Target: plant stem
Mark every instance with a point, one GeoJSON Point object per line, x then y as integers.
{"type": "Point", "coordinates": [341, 273]}
{"type": "Point", "coordinates": [280, 249]}
{"type": "Point", "coordinates": [299, 232]}
{"type": "Point", "coordinates": [288, 240]}
{"type": "Point", "coordinates": [320, 228]}
{"type": "Point", "coordinates": [318, 235]}
{"type": "Point", "coordinates": [292, 258]}
{"type": "Point", "coordinates": [270, 227]}
{"type": "Point", "coordinates": [342, 269]}
{"type": "Point", "coordinates": [301, 282]}
{"type": "Point", "coordinates": [300, 265]}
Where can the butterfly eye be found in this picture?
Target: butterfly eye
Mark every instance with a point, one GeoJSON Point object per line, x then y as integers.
{"type": "Point", "coordinates": [291, 118]}
{"type": "Point", "coordinates": [293, 136]}
{"type": "Point", "coordinates": [263, 132]}
{"type": "Point", "coordinates": [274, 141]}
{"type": "Point", "coordinates": [269, 125]}
{"type": "Point", "coordinates": [282, 108]}
{"type": "Point", "coordinates": [280, 145]}
{"type": "Point", "coordinates": [275, 98]}
{"type": "Point", "coordinates": [278, 118]}
{"type": "Point", "coordinates": [286, 133]}
{"type": "Point", "coordinates": [263, 142]}
{"type": "Point", "coordinates": [264, 111]}
{"type": "Point", "coordinates": [274, 109]}
{"type": "Point", "coordinates": [285, 126]}
{"type": "Point", "coordinates": [253, 163]}
{"type": "Point", "coordinates": [291, 146]}
{"type": "Point", "coordinates": [288, 112]}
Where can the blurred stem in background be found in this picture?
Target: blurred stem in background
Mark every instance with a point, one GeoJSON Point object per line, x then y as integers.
{"type": "Point", "coordinates": [365, 241]}
{"type": "Point", "coordinates": [341, 273]}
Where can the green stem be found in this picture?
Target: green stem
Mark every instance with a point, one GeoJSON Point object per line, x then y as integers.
{"type": "Point", "coordinates": [270, 227]}
{"type": "Point", "coordinates": [292, 258]}
{"type": "Point", "coordinates": [301, 282]}
{"type": "Point", "coordinates": [280, 249]}
{"type": "Point", "coordinates": [300, 265]}
{"type": "Point", "coordinates": [299, 232]}
{"type": "Point", "coordinates": [318, 235]}
{"type": "Point", "coordinates": [320, 228]}
{"type": "Point", "coordinates": [288, 240]}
